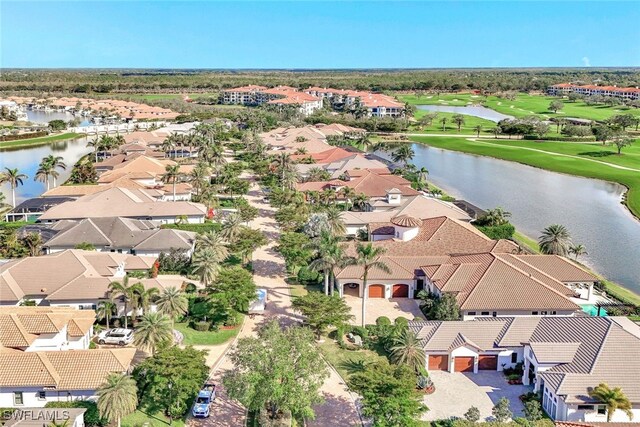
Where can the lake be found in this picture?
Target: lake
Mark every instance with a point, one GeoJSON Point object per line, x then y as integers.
{"type": "Point", "coordinates": [47, 116]}
{"type": "Point", "coordinates": [27, 159]}
{"type": "Point", "coordinates": [476, 111]}
{"type": "Point", "coordinates": [590, 209]}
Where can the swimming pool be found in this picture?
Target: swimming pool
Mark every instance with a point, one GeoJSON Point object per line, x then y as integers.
{"type": "Point", "coordinates": [592, 310]}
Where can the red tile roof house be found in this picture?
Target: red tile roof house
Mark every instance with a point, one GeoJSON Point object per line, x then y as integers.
{"type": "Point", "coordinates": [489, 280]}
{"type": "Point", "coordinates": [588, 90]}
{"type": "Point", "coordinates": [279, 95]}
{"type": "Point", "coordinates": [563, 357]}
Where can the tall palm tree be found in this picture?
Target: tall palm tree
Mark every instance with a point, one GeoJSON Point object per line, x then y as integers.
{"type": "Point", "coordinates": [444, 123]}
{"type": "Point", "coordinates": [206, 266]}
{"type": "Point", "coordinates": [213, 241]}
{"type": "Point", "coordinates": [408, 350]}
{"type": "Point", "coordinates": [360, 201]}
{"type": "Point", "coordinates": [283, 164]}
{"type": "Point", "coordinates": [232, 227]}
{"type": "Point", "coordinates": [478, 129]}
{"type": "Point", "coordinates": [458, 119]}
{"type": "Point", "coordinates": [577, 250]}
{"type": "Point", "coordinates": [613, 398]}
{"type": "Point", "coordinates": [154, 329]}
{"type": "Point", "coordinates": [117, 397]}
{"type": "Point", "coordinates": [172, 303]}
{"type": "Point", "coordinates": [15, 179]}
{"type": "Point", "coordinates": [126, 292]}
{"type": "Point", "coordinates": [171, 175]}
{"type": "Point", "coordinates": [422, 174]}
{"type": "Point", "coordinates": [347, 193]}
{"type": "Point", "coordinates": [555, 240]}
{"type": "Point", "coordinates": [56, 162]}
{"type": "Point", "coordinates": [105, 310]}
{"type": "Point", "coordinates": [43, 173]}
{"type": "Point", "coordinates": [368, 257]}
{"type": "Point", "coordinates": [142, 299]}
{"type": "Point", "coordinates": [334, 219]}
{"type": "Point", "coordinates": [324, 246]}
{"type": "Point", "coordinates": [199, 177]}
{"type": "Point", "coordinates": [403, 154]}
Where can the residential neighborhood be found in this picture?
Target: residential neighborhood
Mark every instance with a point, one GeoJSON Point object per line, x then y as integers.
{"type": "Point", "coordinates": [319, 214]}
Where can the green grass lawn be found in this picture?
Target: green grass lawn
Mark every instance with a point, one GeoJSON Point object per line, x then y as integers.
{"type": "Point", "coordinates": [524, 105]}
{"type": "Point", "coordinates": [470, 122]}
{"type": "Point", "coordinates": [515, 151]}
{"type": "Point", "coordinates": [346, 362]}
{"type": "Point", "coordinates": [193, 337]}
{"type": "Point", "coordinates": [139, 418]}
{"type": "Point", "coordinates": [39, 141]}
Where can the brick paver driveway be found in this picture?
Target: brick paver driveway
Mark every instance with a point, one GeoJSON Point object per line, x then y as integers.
{"type": "Point", "coordinates": [269, 272]}
{"type": "Point", "coordinates": [457, 392]}
{"type": "Point", "coordinates": [376, 307]}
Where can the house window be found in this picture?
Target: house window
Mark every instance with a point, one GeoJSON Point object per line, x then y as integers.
{"type": "Point", "coordinates": [585, 407]}
{"type": "Point", "coordinates": [534, 313]}
{"type": "Point", "coordinates": [18, 398]}
{"type": "Point", "coordinates": [602, 410]}
{"type": "Point", "coordinates": [485, 313]}
{"type": "Point", "coordinates": [514, 357]}
{"type": "Point", "coordinates": [543, 313]}
{"type": "Point", "coordinates": [42, 395]}
{"type": "Point", "coordinates": [495, 313]}
{"type": "Point", "coordinates": [472, 313]}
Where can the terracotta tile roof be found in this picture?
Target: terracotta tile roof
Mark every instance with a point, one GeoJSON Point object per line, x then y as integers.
{"type": "Point", "coordinates": [21, 325]}
{"type": "Point", "coordinates": [71, 274]}
{"type": "Point", "coordinates": [62, 370]}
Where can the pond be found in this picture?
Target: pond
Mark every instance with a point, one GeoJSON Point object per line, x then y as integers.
{"type": "Point", "coordinates": [590, 209]}
{"type": "Point", "coordinates": [475, 110]}
{"type": "Point", "coordinates": [47, 116]}
{"type": "Point", "coordinates": [27, 159]}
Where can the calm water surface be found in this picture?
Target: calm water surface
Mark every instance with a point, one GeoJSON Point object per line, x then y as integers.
{"type": "Point", "coordinates": [46, 117]}
{"type": "Point", "coordinates": [476, 111]}
{"type": "Point", "coordinates": [28, 159]}
{"type": "Point", "coordinates": [590, 209]}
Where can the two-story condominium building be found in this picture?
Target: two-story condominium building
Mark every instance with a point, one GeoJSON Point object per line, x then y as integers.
{"type": "Point", "coordinates": [589, 90]}
{"type": "Point", "coordinates": [279, 95]}
{"type": "Point", "coordinates": [563, 357]}
{"type": "Point", "coordinates": [35, 378]}
{"type": "Point", "coordinates": [43, 328]}
{"type": "Point", "coordinates": [377, 104]}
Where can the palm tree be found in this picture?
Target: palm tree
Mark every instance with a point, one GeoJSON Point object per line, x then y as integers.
{"type": "Point", "coordinates": [347, 193]}
{"type": "Point", "coordinates": [15, 179]}
{"type": "Point", "coordinates": [578, 250]}
{"type": "Point", "coordinates": [408, 350]}
{"type": "Point", "coordinates": [324, 246]}
{"type": "Point", "coordinates": [613, 399]}
{"type": "Point", "coordinates": [334, 219]}
{"type": "Point", "coordinates": [96, 145]}
{"type": "Point", "coordinates": [117, 397]}
{"type": "Point", "coordinates": [154, 329]}
{"type": "Point", "coordinates": [367, 257]}
{"type": "Point", "coordinates": [126, 292]}
{"type": "Point", "coordinates": [282, 165]}
{"type": "Point", "coordinates": [232, 226]}
{"type": "Point", "coordinates": [4, 207]}
{"type": "Point", "coordinates": [43, 172]}
{"type": "Point", "coordinates": [496, 131]}
{"type": "Point", "coordinates": [458, 119]}
{"type": "Point", "coordinates": [213, 241]}
{"type": "Point", "coordinates": [33, 241]}
{"type": "Point", "coordinates": [143, 298]}
{"type": "Point", "coordinates": [172, 303]}
{"type": "Point", "coordinates": [444, 122]}
{"type": "Point", "coordinates": [171, 175]}
{"type": "Point", "coordinates": [55, 162]}
{"type": "Point", "coordinates": [206, 266]}
{"type": "Point", "coordinates": [360, 201]}
{"type": "Point", "coordinates": [403, 154]}
{"type": "Point", "coordinates": [105, 310]}
{"type": "Point", "coordinates": [555, 240]}
{"type": "Point", "coordinates": [422, 177]}
{"type": "Point", "coordinates": [497, 216]}
{"type": "Point", "coordinates": [478, 129]}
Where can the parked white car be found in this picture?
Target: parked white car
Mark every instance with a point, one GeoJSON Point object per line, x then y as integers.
{"type": "Point", "coordinates": [118, 336]}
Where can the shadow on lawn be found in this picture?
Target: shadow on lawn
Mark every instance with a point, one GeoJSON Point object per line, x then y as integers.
{"type": "Point", "coordinates": [597, 153]}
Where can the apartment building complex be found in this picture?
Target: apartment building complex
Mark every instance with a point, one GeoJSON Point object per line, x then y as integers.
{"type": "Point", "coordinates": [590, 90]}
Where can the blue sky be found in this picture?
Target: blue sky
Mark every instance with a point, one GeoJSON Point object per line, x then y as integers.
{"type": "Point", "coordinates": [306, 34]}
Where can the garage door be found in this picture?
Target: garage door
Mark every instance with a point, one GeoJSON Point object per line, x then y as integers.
{"type": "Point", "coordinates": [400, 291]}
{"type": "Point", "coordinates": [376, 291]}
{"type": "Point", "coordinates": [463, 364]}
{"type": "Point", "coordinates": [488, 363]}
{"type": "Point", "coordinates": [439, 362]}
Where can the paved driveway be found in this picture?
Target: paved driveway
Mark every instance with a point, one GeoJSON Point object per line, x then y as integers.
{"type": "Point", "coordinates": [457, 392]}
{"type": "Point", "coordinates": [376, 307]}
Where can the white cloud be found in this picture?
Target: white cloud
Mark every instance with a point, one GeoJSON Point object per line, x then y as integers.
{"type": "Point", "coordinates": [586, 62]}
